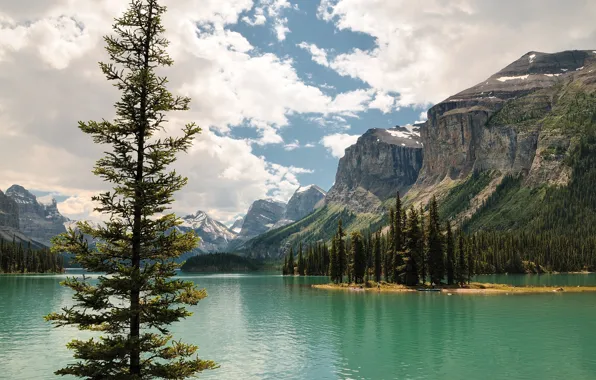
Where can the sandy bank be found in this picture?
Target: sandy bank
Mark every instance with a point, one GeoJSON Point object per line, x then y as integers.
{"type": "Point", "coordinates": [473, 288]}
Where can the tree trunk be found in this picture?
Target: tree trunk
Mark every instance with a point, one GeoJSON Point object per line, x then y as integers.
{"type": "Point", "coordinates": [135, 320]}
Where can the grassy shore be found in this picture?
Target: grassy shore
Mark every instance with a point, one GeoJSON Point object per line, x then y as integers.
{"type": "Point", "coordinates": [473, 288]}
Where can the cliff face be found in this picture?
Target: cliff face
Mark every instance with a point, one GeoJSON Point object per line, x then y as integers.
{"type": "Point", "coordinates": [38, 221]}
{"type": "Point", "coordinates": [9, 212]}
{"type": "Point", "coordinates": [303, 202]}
{"type": "Point", "coordinates": [382, 162]}
{"type": "Point", "coordinates": [500, 124]}
{"type": "Point", "coordinates": [261, 217]}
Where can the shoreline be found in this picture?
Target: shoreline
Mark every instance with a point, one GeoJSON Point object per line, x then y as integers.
{"type": "Point", "coordinates": [473, 288]}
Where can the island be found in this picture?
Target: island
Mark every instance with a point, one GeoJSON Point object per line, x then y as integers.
{"type": "Point", "coordinates": [472, 288]}
{"type": "Point", "coordinates": [221, 263]}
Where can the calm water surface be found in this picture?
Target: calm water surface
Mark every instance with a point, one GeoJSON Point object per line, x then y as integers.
{"type": "Point", "coordinates": [270, 327]}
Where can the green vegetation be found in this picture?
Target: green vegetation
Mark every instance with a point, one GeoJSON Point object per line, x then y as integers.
{"type": "Point", "coordinates": [316, 227]}
{"type": "Point", "coordinates": [524, 111]}
{"type": "Point", "coordinates": [546, 228]}
{"type": "Point", "coordinates": [134, 305]}
{"type": "Point", "coordinates": [459, 197]}
{"type": "Point", "coordinates": [220, 262]}
{"type": "Point", "coordinates": [14, 258]}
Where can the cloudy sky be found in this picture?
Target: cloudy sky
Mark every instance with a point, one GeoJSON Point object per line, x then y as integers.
{"type": "Point", "coordinates": [280, 87]}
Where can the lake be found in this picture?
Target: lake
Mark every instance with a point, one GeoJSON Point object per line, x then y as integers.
{"type": "Point", "coordinates": [271, 327]}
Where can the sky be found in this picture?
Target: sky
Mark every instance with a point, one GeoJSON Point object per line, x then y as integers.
{"type": "Point", "coordinates": [279, 87]}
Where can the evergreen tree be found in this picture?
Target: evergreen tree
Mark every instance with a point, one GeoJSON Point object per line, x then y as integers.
{"type": "Point", "coordinates": [136, 302]}
{"type": "Point", "coordinates": [301, 264]}
{"type": "Point", "coordinates": [461, 265]}
{"type": "Point", "coordinates": [359, 257]}
{"type": "Point", "coordinates": [422, 260]}
{"type": "Point", "coordinates": [334, 271]}
{"type": "Point", "coordinates": [450, 251]}
{"type": "Point", "coordinates": [377, 254]}
{"type": "Point", "coordinates": [414, 246]}
{"type": "Point", "coordinates": [472, 259]}
{"type": "Point", "coordinates": [436, 261]}
{"type": "Point", "coordinates": [341, 251]}
{"type": "Point", "coordinates": [291, 264]}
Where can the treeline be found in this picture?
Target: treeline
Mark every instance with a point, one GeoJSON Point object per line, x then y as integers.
{"type": "Point", "coordinates": [220, 262]}
{"type": "Point", "coordinates": [416, 247]}
{"type": "Point", "coordinates": [14, 258]}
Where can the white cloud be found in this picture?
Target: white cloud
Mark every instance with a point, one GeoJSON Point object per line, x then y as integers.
{"type": "Point", "coordinates": [427, 53]}
{"type": "Point", "coordinates": [337, 143]}
{"type": "Point", "coordinates": [383, 102]}
{"type": "Point", "coordinates": [317, 54]}
{"type": "Point", "coordinates": [281, 28]}
{"type": "Point", "coordinates": [259, 18]}
{"type": "Point", "coordinates": [422, 117]}
{"type": "Point", "coordinates": [309, 145]}
{"type": "Point", "coordinates": [292, 146]}
{"type": "Point", "coordinates": [50, 49]}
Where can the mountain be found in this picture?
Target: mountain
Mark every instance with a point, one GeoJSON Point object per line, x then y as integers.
{"type": "Point", "coordinates": [9, 212]}
{"type": "Point", "coordinates": [237, 226]}
{"type": "Point", "coordinates": [215, 236]}
{"type": "Point", "coordinates": [303, 202]}
{"type": "Point", "coordinates": [261, 217]}
{"type": "Point", "coordinates": [9, 222]}
{"type": "Point", "coordinates": [382, 162]}
{"type": "Point", "coordinates": [38, 221]}
{"type": "Point", "coordinates": [524, 122]}
{"type": "Point", "coordinates": [496, 125]}
{"type": "Point", "coordinates": [513, 152]}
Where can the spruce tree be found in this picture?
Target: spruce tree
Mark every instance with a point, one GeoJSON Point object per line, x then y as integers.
{"type": "Point", "coordinates": [422, 261]}
{"type": "Point", "coordinates": [450, 251]}
{"type": "Point", "coordinates": [436, 261]}
{"type": "Point", "coordinates": [461, 265]}
{"type": "Point", "coordinates": [291, 262]}
{"type": "Point", "coordinates": [301, 263]}
{"type": "Point", "coordinates": [377, 255]}
{"type": "Point", "coordinates": [341, 251]}
{"type": "Point", "coordinates": [334, 261]}
{"type": "Point", "coordinates": [414, 246]}
{"type": "Point", "coordinates": [359, 257]}
{"type": "Point", "coordinates": [471, 259]}
{"type": "Point", "coordinates": [136, 301]}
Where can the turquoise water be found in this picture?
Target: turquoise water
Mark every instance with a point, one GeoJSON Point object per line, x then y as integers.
{"type": "Point", "coordinates": [271, 327]}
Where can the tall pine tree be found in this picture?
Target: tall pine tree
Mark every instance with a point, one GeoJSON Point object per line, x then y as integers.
{"type": "Point", "coordinates": [450, 253]}
{"type": "Point", "coordinates": [136, 302]}
{"type": "Point", "coordinates": [436, 261]}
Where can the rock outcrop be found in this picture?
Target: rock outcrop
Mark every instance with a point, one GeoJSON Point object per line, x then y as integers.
{"type": "Point", "coordinates": [303, 202]}
{"type": "Point", "coordinates": [261, 217]}
{"type": "Point", "coordinates": [9, 212]}
{"type": "Point", "coordinates": [214, 235]}
{"type": "Point", "coordinates": [237, 226]}
{"type": "Point", "coordinates": [382, 162]}
{"type": "Point", "coordinates": [40, 222]}
{"type": "Point", "coordinates": [499, 123]}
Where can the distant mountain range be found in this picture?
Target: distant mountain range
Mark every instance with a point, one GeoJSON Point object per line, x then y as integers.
{"type": "Point", "coordinates": [489, 153]}
{"type": "Point", "coordinates": [24, 218]}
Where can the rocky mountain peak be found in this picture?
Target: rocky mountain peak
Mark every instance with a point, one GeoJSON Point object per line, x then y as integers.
{"type": "Point", "coordinates": [41, 222]}
{"type": "Point", "coordinates": [214, 235]}
{"type": "Point", "coordinates": [382, 162]}
{"type": "Point", "coordinates": [237, 226]}
{"type": "Point", "coordinates": [302, 203]}
{"type": "Point", "coordinates": [262, 216]}
{"type": "Point", "coordinates": [9, 212]}
{"type": "Point", "coordinates": [21, 195]}
{"type": "Point", "coordinates": [498, 124]}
